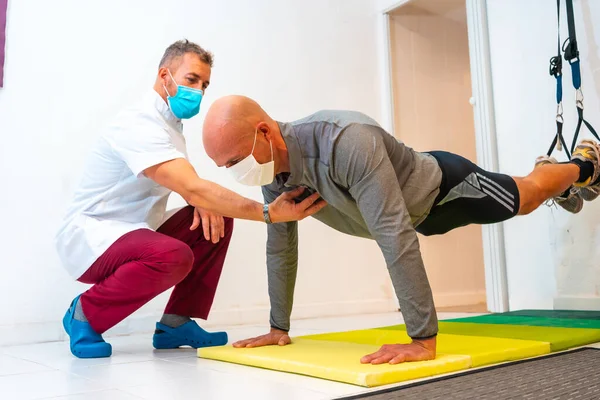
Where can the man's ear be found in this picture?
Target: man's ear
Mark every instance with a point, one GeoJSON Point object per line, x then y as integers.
{"type": "Point", "coordinates": [163, 73]}
{"type": "Point", "coordinates": [263, 128]}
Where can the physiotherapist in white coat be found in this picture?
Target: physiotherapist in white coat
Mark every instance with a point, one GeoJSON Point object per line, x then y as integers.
{"type": "Point", "coordinates": [113, 235]}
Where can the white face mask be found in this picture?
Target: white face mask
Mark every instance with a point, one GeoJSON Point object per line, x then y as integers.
{"type": "Point", "coordinates": [249, 172]}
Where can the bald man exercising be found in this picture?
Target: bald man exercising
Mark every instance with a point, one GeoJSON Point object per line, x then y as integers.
{"type": "Point", "coordinates": [376, 188]}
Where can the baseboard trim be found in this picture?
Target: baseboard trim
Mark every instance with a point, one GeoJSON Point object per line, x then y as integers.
{"type": "Point", "coordinates": [144, 323]}
{"type": "Point", "coordinates": [459, 299]}
{"type": "Point", "coordinates": [260, 315]}
{"type": "Point", "coordinates": [31, 333]}
{"type": "Point", "coordinates": [585, 303]}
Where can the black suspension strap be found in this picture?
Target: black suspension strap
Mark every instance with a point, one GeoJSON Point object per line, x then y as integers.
{"type": "Point", "coordinates": [572, 56]}
{"type": "Point", "coordinates": [556, 71]}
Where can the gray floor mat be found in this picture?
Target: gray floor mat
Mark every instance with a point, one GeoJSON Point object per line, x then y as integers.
{"type": "Point", "coordinates": [573, 375]}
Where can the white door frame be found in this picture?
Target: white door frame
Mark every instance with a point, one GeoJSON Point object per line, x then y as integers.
{"type": "Point", "coordinates": [485, 129]}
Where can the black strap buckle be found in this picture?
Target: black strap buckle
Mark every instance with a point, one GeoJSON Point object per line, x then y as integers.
{"type": "Point", "coordinates": [556, 66]}
{"type": "Point", "coordinates": [571, 50]}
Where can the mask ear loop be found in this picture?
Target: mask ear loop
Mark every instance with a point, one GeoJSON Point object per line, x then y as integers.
{"type": "Point", "coordinates": [254, 145]}
{"type": "Point", "coordinates": [173, 79]}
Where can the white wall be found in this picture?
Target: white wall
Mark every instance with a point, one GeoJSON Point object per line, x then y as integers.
{"type": "Point", "coordinates": [71, 65]}
{"type": "Point", "coordinates": [552, 257]}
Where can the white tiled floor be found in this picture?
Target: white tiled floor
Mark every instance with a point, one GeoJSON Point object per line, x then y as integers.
{"type": "Point", "coordinates": [137, 371]}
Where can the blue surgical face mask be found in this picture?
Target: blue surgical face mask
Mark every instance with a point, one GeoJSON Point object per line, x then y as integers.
{"type": "Point", "coordinates": [186, 102]}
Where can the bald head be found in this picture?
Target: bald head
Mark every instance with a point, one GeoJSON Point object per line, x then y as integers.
{"type": "Point", "coordinates": [230, 127]}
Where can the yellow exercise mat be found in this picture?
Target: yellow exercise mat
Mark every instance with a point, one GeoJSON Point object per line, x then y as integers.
{"type": "Point", "coordinates": [336, 361]}
{"type": "Point", "coordinates": [482, 350]}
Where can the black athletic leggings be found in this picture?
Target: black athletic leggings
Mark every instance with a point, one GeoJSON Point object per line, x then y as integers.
{"type": "Point", "coordinates": [469, 195]}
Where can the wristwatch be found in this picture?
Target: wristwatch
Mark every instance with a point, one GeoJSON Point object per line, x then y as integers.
{"type": "Point", "coordinates": [266, 214]}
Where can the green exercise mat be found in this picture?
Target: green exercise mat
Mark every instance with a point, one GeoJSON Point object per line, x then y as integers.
{"type": "Point", "coordinates": [507, 319]}
{"type": "Point", "coordinates": [567, 314]}
{"type": "Point", "coordinates": [559, 338]}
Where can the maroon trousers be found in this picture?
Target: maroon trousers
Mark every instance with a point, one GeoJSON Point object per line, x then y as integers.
{"type": "Point", "coordinates": [143, 263]}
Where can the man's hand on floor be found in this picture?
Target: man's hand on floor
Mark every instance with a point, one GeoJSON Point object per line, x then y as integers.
{"type": "Point", "coordinates": [418, 350]}
{"type": "Point", "coordinates": [275, 337]}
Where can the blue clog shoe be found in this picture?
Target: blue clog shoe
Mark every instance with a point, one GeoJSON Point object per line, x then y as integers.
{"type": "Point", "coordinates": [188, 334]}
{"type": "Point", "coordinates": [84, 341]}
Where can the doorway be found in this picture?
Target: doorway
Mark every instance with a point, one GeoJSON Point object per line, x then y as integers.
{"type": "Point", "coordinates": [431, 90]}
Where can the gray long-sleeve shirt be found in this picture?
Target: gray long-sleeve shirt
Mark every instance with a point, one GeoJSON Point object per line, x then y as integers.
{"type": "Point", "coordinates": [375, 187]}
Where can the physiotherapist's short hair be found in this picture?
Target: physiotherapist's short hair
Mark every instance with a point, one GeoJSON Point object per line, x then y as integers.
{"type": "Point", "coordinates": [181, 47]}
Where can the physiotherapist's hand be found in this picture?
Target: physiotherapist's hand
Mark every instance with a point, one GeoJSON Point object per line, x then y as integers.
{"type": "Point", "coordinates": [213, 224]}
{"type": "Point", "coordinates": [418, 350]}
{"type": "Point", "coordinates": [275, 337]}
{"type": "Point", "coordinates": [285, 209]}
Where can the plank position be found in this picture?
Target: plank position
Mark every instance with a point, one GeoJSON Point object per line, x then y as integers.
{"type": "Point", "coordinates": [377, 188]}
